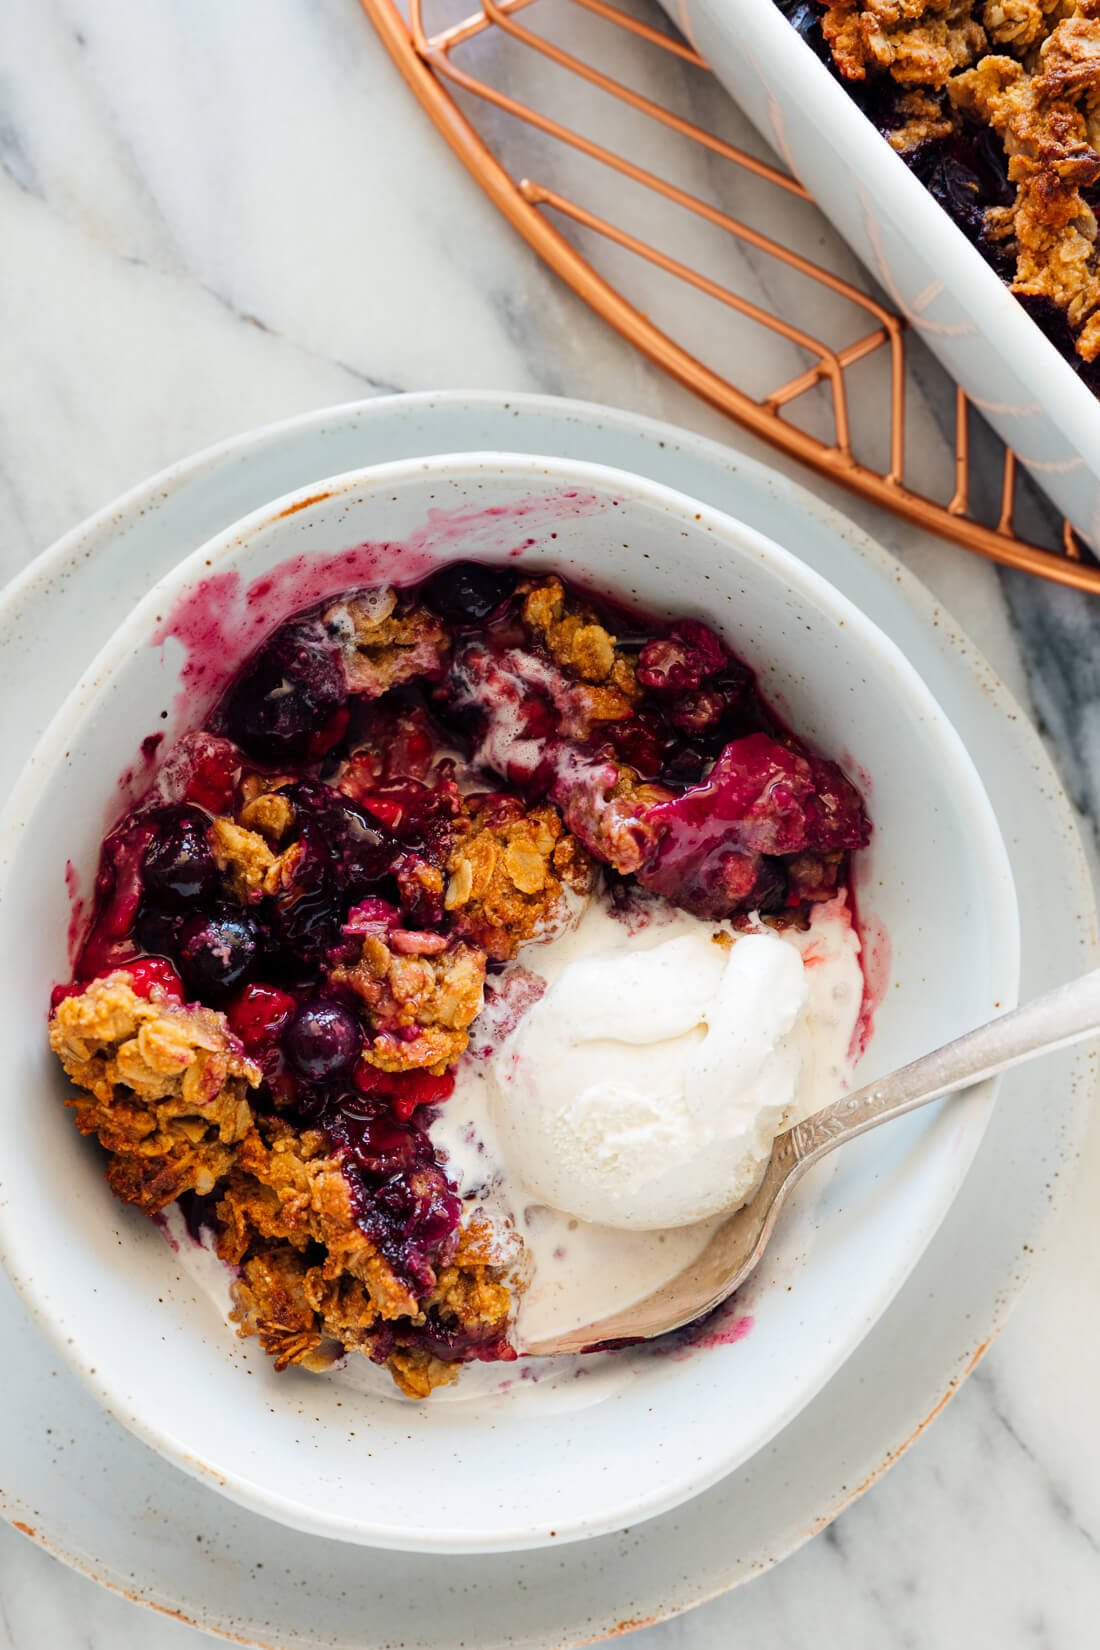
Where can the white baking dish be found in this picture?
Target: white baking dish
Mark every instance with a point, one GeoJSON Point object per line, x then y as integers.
{"type": "Point", "coordinates": [928, 268]}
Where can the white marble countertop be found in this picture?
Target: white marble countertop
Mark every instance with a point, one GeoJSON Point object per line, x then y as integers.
{"type": "Point", "coordinates": [213, 216]}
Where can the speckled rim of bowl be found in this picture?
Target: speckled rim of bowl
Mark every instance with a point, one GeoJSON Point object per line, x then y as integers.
{"type": "Point", "coordinates": [135, 632]}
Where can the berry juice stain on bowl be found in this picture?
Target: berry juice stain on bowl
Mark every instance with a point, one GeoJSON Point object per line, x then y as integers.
{"type": "Point", "coordinates": [222, 619]}
{"type": "Point", "coordinates": [456, 975]}
{"type": "Point", "coordinates": [876, 960]}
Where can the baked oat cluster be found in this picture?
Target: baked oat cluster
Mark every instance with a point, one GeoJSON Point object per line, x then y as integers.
{"type": "Point", "coordinates": [295, 931]}
{"type": "Point", "coordinates": [995, 104]}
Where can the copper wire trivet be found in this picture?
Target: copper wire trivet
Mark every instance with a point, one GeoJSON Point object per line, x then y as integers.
{"type": "Point", "coordinates": [429, 62]}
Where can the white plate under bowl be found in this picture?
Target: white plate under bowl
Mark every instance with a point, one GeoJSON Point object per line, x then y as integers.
{"type": "Point", "coordinates": [592, 1445]}
{"type": "Point", "coordinates": [75, 1483]}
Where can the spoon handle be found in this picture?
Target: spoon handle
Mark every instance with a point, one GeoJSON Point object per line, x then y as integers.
{"type": "Point", "coordinates": [1063, 1016]}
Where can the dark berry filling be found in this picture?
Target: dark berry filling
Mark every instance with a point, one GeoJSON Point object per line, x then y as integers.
{"type": "Point", "coordinates": [967, 173]}
{"type": "Point", "coordinates": [117, 898]}
{"type": "Point", "coordinates": [402, 1197]}
{"type": "Point", "coordinates": [466, 593]}
{"type": "Point", "coordinates": [287, 694]}
{"type": "Point", "coordinates": [259, 1015]}
{"type": "Point", "coordinates": [343, 853]}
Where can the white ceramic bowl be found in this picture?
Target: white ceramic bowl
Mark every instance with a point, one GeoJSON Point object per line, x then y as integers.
{"type": "Point", "coordinates": [928, 269]}
{"type": "Point", "coordinates": [588, 1447]}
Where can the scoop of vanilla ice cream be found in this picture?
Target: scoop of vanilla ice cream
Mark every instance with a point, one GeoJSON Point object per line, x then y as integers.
{"type": "Point", "coordinates": [645, 1088]}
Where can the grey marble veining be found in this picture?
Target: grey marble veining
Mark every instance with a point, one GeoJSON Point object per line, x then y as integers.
{"type": "Point", "coordinates": [213, 216]}
{"type": "Point", "coordinates": [1059, 638]}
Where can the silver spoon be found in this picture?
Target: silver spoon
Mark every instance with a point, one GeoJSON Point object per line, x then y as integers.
{"type": "Point", "coordinates": [1063, 1016]}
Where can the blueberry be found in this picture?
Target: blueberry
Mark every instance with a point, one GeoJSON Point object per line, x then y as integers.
{"type": "Point", "coordinates": [178, 867]}
{"type": "Point", "coordinates": [342, 855]}
{"type": "Point", "coordinates": [464, 592]}
{"type": "Point", "coordinates": [286, 693]}
{"type": "Point", "coordinates": [158, 931]}
{"type": "Point", "coordinates": [216, 952]}
{"type": "Point", "coordinates": [322, 1040]}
